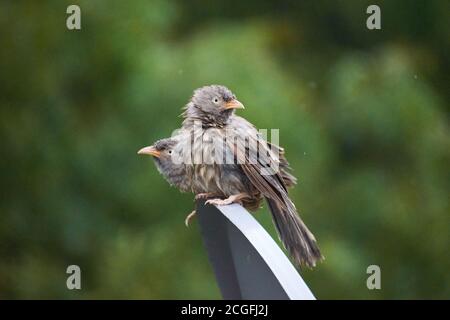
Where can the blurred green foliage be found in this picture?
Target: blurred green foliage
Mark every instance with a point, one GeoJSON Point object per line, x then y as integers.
{"type": "Point", "coordinates": [362, 114]}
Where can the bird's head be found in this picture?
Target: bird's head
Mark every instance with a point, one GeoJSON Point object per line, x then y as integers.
{"type": "Point", "coordinates": [213, 105]}
{"type": "Point", "coordinates": [161, 150]}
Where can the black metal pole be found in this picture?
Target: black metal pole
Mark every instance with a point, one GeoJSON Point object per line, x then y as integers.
{"type": "Point", "coordinates": [247, 262]}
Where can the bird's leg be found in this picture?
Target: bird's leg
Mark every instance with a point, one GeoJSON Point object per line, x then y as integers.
{"type": "Point", "coordinates": [189, 217]}
{"type": "Point", "coordinates": [198, 196]}
{"type": "Point", "coordinates": [204, 195]}
{"type": "Point", "coordinates": [235, 198]}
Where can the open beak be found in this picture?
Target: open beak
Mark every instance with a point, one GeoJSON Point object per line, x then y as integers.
{"type": "Point", "coordinates": [150, 151]}
{"type": "Point", "coordinates": [234, 104]}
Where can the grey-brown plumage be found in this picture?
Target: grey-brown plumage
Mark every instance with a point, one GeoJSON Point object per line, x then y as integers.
{"type": "Point", "coordinates": [243, 182]}
{"type": "Point", "coordinates": [176, 173]}
{"type": "Point", "coordinates": [169, 162]}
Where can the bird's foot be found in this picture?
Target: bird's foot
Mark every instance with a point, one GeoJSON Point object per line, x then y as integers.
{"type": "Point", "coordinates": [205, 195]}
{"type": "Point", "coordinates": [189, 217]}
{"type": "Point", "coordinates": [219, 202]}
{"type": "Point", "coordinates": [235, 198]}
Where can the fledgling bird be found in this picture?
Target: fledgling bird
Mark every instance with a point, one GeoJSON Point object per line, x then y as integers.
{"type": "Point", "coordinates": [175, 172]}
{"type": "Point", "coordinates": [214, 107]}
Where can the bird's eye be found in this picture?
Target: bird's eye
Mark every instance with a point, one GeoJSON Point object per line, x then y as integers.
{"type": "Point", "coordinates": [170, 151]}
{"type": "Point", "coordinates": [216, 100]}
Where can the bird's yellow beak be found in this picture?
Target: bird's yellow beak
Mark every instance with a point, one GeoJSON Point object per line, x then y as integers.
{"type": "Point", "coordinates": [151, 150]}
{"type": "Point", "coordinates": [234, 104]}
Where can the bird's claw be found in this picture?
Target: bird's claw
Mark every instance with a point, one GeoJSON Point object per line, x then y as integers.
{"type": "Point", "coordinates": [235, 198]}
{"type": "Point", "coordinates": [219, 202]}
{"type": "Point", "coordinates": [201, 196]}
{"type": "Point", "coordinates": [189, 217]}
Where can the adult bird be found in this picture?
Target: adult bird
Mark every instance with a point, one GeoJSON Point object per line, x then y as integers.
{"type": "Point", "coordinates": [211, 112]}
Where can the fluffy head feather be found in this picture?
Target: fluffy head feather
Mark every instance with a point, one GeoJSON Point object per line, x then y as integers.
{"type": "Point", "coordinates": [210, 105]}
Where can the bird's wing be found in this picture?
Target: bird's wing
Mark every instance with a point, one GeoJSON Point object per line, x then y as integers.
{"type": "Point", "coordinates": [284, 167]}
{"type": "Point", "coordinates": [255, 157]}
{"type": "Point", "coordinates": [246, 127]}
{"type": "Point", "coordinates": [258, 161]}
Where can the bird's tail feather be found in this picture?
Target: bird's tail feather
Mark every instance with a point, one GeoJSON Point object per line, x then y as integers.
{"type": "Point", "coordinates": [296, 237]}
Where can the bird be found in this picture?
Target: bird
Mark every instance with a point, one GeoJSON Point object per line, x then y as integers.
{"type": "Point", "coordinates": [246, 181]}
{"type": "Point", "coordinates": [212, 135]}
{"type": "Point", "coordinates": [173, 172]}
{"type": "Point", "coordinates": [176, 173]}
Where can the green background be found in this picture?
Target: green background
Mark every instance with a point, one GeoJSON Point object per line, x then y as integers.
{"type": "Point", "coordinates": [363, 116]}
